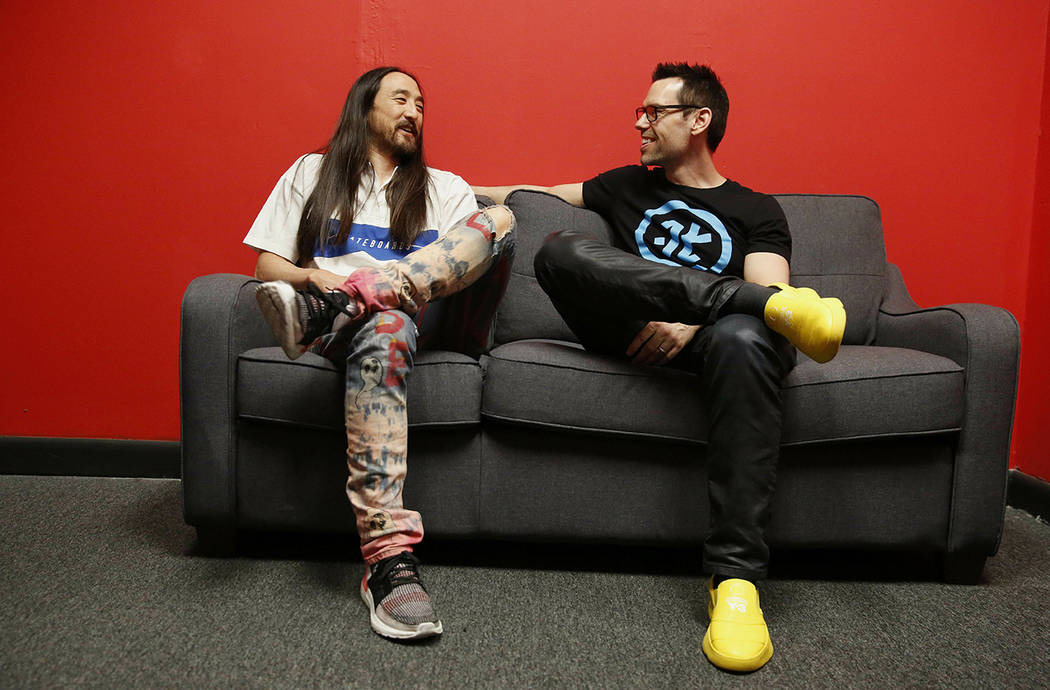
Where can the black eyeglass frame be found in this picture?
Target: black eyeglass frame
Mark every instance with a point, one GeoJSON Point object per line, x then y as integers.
{"type": "Point", "coordinates": [658, 111]}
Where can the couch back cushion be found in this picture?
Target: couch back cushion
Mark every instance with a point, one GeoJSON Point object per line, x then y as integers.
{"type": "Point", "coordinates": [525, 311]}
{"type": "Point", "coordinates": [837, 250]}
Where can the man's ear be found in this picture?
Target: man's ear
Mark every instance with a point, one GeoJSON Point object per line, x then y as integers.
{"type": "Point", "coordinates": [701, 120]}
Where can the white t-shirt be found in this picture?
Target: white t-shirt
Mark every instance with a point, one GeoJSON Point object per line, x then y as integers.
{"type": "Point", "coordinates": [369, 243]}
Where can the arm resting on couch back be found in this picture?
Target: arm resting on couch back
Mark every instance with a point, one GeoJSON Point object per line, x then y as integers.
{"type": "Point", "coordinates": [220, 320]}
{"type": "Point", "coordinates": [985, 341]}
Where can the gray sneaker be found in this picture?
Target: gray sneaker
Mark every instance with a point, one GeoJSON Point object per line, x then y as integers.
{"type": "Point", "coordinates": [398, 603]}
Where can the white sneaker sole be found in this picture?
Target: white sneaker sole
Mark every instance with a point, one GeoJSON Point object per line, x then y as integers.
{"type": "Point", "coordinates": [391, 628]}
{"type": "Point", "coordinates": [277, 303]}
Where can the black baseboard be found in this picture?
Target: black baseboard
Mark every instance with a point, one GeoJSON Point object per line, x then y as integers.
{"type": "Point", "coordinates": [90, 457]}
{"type": "Point", "coordinates": [1029, 493]}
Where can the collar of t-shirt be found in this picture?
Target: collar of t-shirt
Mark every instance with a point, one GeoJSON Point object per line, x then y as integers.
{"type": "Point", "coordinates": [372, 188]}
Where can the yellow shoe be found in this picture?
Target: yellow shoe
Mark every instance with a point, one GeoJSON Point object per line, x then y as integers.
{"type": "Point", "coordinates": [737, 638]}
{"type": "Point", "coordinates": [812, 323]}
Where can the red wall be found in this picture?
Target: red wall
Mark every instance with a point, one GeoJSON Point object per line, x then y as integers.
{"type": "Point", "coordinates": [1030, 449]}
{"type": "Point", "coordinates": [141, 140]}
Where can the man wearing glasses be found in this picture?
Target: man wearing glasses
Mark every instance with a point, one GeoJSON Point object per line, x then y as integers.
{"type": "Point", "coordinates": [698, 281]}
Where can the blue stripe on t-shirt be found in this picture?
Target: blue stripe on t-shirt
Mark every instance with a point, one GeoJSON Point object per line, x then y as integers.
{"type": "Point", "coordinates": [374, 241]}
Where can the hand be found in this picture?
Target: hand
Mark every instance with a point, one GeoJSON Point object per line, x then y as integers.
{"type": "Point", "coordinates": [659, 342]}
{"type": "Point", "coordinates": [326, 281]}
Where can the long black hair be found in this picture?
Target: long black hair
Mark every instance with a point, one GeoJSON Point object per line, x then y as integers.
{"type": "Point", "coordinates": [344, 164]}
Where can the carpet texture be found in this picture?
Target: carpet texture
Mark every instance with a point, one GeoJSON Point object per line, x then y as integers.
{"type": "Point", "coordinates": [100, 586]}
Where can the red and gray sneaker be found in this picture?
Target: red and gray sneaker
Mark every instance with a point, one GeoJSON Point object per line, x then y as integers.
{"type": "Point", "coordinates": [298, 318]}
{"type": "Point", "coordinates": [398, 603]}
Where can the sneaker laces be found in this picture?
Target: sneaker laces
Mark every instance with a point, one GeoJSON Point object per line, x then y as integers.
{"type": "Point", "coordinates": [318, 309]}
{"type": "Point", "coordinates": [336, 299]}
{"type": "Point", "coordinates": [407, 600]}
{"type": "Point", "coordinates": [402, 569]}
{"type": "Point", "coordinates": [315, 314]}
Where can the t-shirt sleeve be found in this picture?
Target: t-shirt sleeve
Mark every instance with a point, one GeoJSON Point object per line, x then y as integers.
{"type": "Point", "coordinates": [769, 230]}
{"type": "Point", "coordinates": [599, 193]}
{"type": "Point", "coordinates": [277, 226]}
{"type": "Point", "coordinates": [456, 203]}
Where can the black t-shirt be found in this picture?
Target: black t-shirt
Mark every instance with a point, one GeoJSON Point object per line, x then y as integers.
{"type": "Point", "coordinates": [706, 229]}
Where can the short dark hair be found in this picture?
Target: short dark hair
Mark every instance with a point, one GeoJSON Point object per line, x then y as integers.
{"type": "Point", "coordinates": [700, 86]}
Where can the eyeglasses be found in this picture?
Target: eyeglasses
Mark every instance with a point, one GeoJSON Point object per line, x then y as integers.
{"type": "Point", "coordinates": [653, 112]}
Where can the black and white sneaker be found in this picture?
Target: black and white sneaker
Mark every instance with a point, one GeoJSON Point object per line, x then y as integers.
{"type": "Point", "coordinates": [299, 317]}
{"type": "Point", "coordinates": [398, 603]}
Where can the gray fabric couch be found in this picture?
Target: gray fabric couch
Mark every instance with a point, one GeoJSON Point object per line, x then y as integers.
{"type": "Point", "coordinates": [900, 443]}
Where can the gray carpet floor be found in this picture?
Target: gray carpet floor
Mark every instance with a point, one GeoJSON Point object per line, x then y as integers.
{"type": "Point", "coordinates": [100, 586]}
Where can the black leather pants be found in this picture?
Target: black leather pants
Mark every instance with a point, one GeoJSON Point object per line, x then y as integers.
{"type": "Point", "coordinates": [606, 296]}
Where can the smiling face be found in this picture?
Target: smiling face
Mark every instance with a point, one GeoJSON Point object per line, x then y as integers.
{"type": "Point", "coordinates": [396, 118]}
{"type": "Point", "coordinates": [668, 139]}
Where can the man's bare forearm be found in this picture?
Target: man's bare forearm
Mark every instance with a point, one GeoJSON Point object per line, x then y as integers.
{"type": "Point", "coordinates": [270, 266]}
{"type": "Point", "coordinates": [572, 193]}
{"type": "Point", "coordinates": [766, 268]}
{"type": "Point", "coordinates": [499, 194]}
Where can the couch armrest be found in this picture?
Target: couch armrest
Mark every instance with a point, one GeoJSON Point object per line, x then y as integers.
{"type": "Point", "coordinates": [985, 341]}
{"type": "Point", "coordinates": [220, 320]}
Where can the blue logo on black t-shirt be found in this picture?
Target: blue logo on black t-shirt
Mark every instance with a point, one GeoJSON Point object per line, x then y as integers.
{"type": "Point", "coordinates": [679, 235]}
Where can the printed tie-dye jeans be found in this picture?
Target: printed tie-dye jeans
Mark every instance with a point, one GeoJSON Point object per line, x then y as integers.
{"type": "Point", "coordinates": [443, 295]}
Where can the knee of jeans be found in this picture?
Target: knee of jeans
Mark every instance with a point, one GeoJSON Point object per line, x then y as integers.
{"type": "Point", "coordinates": [501, 223]}
{"type": "Point", "coordinates": [738, 334]}
{"type": "Point", "coordinates": [557, 250]}
{"type": "Point", "coordinates": [503, 220]}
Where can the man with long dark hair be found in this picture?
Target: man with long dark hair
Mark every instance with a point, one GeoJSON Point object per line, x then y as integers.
{"type": "Point", "coordinates": [354, 245]}
{"type": "Point", "coordinates": [698, 280]}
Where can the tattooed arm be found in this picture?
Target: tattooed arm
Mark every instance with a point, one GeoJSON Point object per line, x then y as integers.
{"type": "Point", "coordinates": [573, 193]}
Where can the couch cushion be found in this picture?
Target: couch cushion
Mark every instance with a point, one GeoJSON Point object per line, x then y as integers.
{"type": "Point", "coordinates": [526, 311]}
{"type": "Point", "coordinates": [444, 389]}
{"type": "Point", "coordinates": [838, 250]}
{"type": "Point", "coordinates": [872, 392]}
{"type": "Point", "coordinates": [864, 392]}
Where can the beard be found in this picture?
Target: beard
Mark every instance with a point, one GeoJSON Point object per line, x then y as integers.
{"type": "Point", "coordinates": [401, 140]}
{"type": "Point", "coordinates": [401, 145]}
